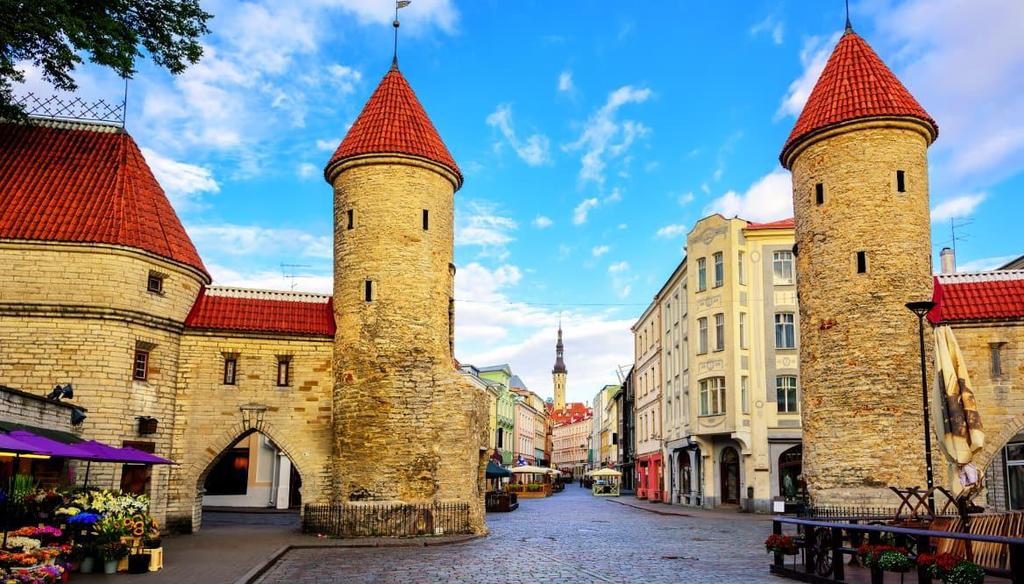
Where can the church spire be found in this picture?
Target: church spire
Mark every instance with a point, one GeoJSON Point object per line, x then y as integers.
{"type": "Point", "coordinates": [559, 354]}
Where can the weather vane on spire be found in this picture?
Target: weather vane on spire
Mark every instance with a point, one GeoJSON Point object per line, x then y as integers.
{"type": "Point", "coordinates": [399, 4]}
{"type": "Point", "coordinates": [849, 27]}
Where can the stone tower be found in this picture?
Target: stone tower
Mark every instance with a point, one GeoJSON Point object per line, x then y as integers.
{"type": "Point", "coordinates": [858, 154]}
{"type": "Point", "coordinates": [558, 372]}
{"type": "Point", "coordinates": [407, 427]}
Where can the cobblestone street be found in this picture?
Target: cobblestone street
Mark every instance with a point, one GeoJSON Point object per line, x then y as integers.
{"type": "Point", "coordinates": [570, 537]}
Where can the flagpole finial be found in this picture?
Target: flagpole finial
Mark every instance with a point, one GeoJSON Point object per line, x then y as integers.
{"type": "Point", "coordinates": [849, 27]}
{"type": "Point", "coordinates": [398, 5]}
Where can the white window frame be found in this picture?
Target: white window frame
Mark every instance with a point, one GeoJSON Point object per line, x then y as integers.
{"type": "Point", "coordinates": [702, 335]}
{"type": "Point", "coordinates": [785, 322]}
{"type": "Point", "coordinates": [702, 274]}
{"type": "Point", "coordinates": [787, 397]}
{"type": "Point", "coordinates": [718, 258]}
{"type": "Point", "coordinates": [782, 267]}
{"type": "Point", "coordinates": [712, 396]}
{"type": "Point", "coordinates": [720, 331]}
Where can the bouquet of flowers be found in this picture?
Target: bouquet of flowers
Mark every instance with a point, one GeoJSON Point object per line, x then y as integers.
{"type": "Point", "coordinates": [20, 542]}
{"type": "Point", "coordinates": [885, 557]}
{"type": "Point", "coordinates": [113, 550]}
{"type": "Point", "coordinates": [780, 544]}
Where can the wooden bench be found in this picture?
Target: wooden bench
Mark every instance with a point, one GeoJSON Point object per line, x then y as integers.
{"type": "Point", "coordinates": [994, 556]}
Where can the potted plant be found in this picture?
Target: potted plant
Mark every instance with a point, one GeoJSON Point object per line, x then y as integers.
{"type": "Point", "coordinates": [111, 553]}
{"type": "Point", "coordinates": [88, 558]}
{"type": "Point", "coordinates": [952, 569]}
{"type": "Point", "coordinates": [885, 557]}
{"type": "Point", "coordinates": [781, 544]}
{"type": "Point", "coordinates": [138, 563]}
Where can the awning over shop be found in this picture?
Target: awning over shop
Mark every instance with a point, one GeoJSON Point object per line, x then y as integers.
{"type": "Point", "coordinates": [14, 446]}
{"type": "Point", "coordinates": [495, 471]}
{"type": "Point", "coordinates": [51, 443]}
{"type": "Point", "coordinates": [529, 469]}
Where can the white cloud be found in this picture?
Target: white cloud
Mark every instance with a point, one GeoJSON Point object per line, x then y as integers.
{"type": "Point", "coordinates": [344, 78]}
{"type": "Point", "coordinates": [416, 18]}
{"type": "Point", "coordinates": [813, 56]}
{"type": "Point", "coordinates": [984, 264]}
{"type": "Point", "coordinates": [671, 231]}
{"type": "Point", "coordinates": [254, 240]}
{"type": "Point", "coordinates": [600, 250]}
{"type": "Point", "coordinates": [542, 222]}
{"type": "Point", "coordinates": [565, 84]}
{"type": "Point", "coordinates": [686, 198]}
{"type": "Point", "coordinates": [328, 145]}
{"type": "Point", "coordinates": [598, 138]}
{"type": "Point", "coordinates": [768, 199]}
{"type": "Point", "coordinates": [979, 44]}
{"type": "Point", "coordinates": [579, 214]}
{"type": "Point", "coordinates": [306, 280]}
{"type": "Point", "coordinates": [957, 207]}
{"type": "Point", "coordinates": [621, 278]}
{"type": "Point", "coordinates": [614, 197]}
{"type": "Point", "coordinates": [307, 170]}
{"type": "Point", "coordinates": [481, 225]}
{"type": "Point", "coordinates": [184, 183]}
{"type": "Point", "coordinates": [771, 27]}
{"type": "Point", "coordinates": [533, 151]}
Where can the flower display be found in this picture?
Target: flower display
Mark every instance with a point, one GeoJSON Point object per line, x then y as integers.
{"type": "Point", "coordinates": [887, 557]}
{"type": "Point", "coordinates": [25, 544]}
{"type": "Point", "coordinates": [780, 544]}
{"type": "Point", "coordinates": [952, 569]}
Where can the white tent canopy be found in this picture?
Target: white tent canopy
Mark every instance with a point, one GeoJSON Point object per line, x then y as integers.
{"type": "Point", "coordinates": [606, 472]}
{"type": "Point", "coordinates": [529, 469]}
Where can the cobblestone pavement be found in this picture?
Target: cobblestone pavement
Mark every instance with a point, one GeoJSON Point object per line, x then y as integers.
{"type": "Point", "coordinates": [571, 537]}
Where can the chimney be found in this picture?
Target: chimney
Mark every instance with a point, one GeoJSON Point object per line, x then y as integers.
{"type": "Point", "coordinates": [947, 261]}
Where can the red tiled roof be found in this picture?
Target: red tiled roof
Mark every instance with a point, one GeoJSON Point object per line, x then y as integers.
{"type": "Point", "coordinates": [854, 84]}
{"type": "Point", "coordinates": [993, 295]}
{"type": "Point", "coordinates": [85, 183]}
{"type": "Point", "coordinates": [572, 412]}
{"type": "Point", "coordinates": [393, 121]}
{"type": "Point", "coordinates": [257, 311]}
{"type": "Point", "coordinates": [780, 224]}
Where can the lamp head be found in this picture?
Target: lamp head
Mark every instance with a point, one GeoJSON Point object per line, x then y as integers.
{"type": "Point", "coordinates": [920, 308]}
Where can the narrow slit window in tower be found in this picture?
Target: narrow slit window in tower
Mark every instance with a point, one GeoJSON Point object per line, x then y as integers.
{"type": "Point", "coordinates": [862, 262]}
{"type": "Point", "coordinates": [351, 219]}
{"type": "Point", "coordinates": [819, 193]}
{"type": "Point", "coordinates": [426, 220]}
{"type": "Point", "coordinates": [368, 292]}
{"type": "Point", "coordinates": [901, 183]}
{"type": "Point", "coordinates": [451, 325]}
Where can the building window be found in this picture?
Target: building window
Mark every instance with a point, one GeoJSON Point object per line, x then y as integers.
{"type": "Point", "coordinates": [140, 365]}
{"type": "Point", "coordinates": [819, 193]}
{"type": "Point", "coordinates": [862, 262]}
{"type": "Point", "coordinates": [712, 396]}
{"type": "Point", "coordinates": [785, 331]}
{"type": "Point", "coordinates": [702, 335]}
{"type": "Point", "coordinates": [719, 332]}
{"type": "Point", "coordinates": [745, 394]}
{"type": "Point", "coordinates": [426, 220]}
{"type": "Point", "coordinates": [155, 283]}
{"type": "Point", "coordinates": [284, 369]}
{"type": "Point", "coordinates": [997, 359]}
{"type": "Point", "coordinates": [350, 215]}
{"type": "Point", "coordinates": [741, 272]}
{"type": "Point", "coordinates": [702, 275]}
{"type": "Point", "coordinates": [782, 267]}
{"type": "Point", "coordinates": [230, 369]}
{"type": "Point", "coordinates": [742, 330]}
{"type": "Point", "coordinates": [901, 182]}
{"type": "Point", "coordinates": [719, 269]}
{"type": "Point", "coordinates": [785, 392]}
{"type": "Point", "coordinates": [368, 291]}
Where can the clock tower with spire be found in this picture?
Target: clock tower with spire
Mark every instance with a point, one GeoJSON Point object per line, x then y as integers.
{"type": "Point", "coordinates": [558, 372]}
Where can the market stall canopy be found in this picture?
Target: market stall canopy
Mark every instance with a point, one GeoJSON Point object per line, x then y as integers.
{"type": "Point", "coordinates": [606, 472]}
{"type": "Point", "coordinates": [496, 471]}
{"type": "Point", "coordinates": [954, 410]}
{"type": "Point", "coordinates": [90, 451]}
{"type": "Point", "coordinates": [529, 469]}
{"type": "Point", "coordinates": [106, 453]}
{"type": "Point", "coordinates": [554, 471]}
{"type": "Point", "coordinates": [43, 445]}
{"type": "Point", "coordinates": [13, 445]}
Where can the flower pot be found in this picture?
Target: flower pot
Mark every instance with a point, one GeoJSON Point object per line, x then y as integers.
{"type": "Point", "coordinates": [87, 565]}
{"type": "Point", "coordinates": [138, 563]}
{"type": "Point", "coordinates": [110, 566]}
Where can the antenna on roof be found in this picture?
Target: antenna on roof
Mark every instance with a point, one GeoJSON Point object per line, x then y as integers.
{"type": "Point", "coordinates": [291, 275]}
{"type": "Point", "coordinates": [124, 104]}
{"type": "Point", "coordinates": [399, 4]}
{"type": "Point", "coordinates": [849, 27]}
{"type": "Point", "coordinates": [953, 226]}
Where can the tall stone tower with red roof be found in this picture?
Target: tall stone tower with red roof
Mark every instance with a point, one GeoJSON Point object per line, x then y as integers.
{"type": "Point", "coordinates": [858, 154]}
{"type": "Point", "coordinates": [407, 428]}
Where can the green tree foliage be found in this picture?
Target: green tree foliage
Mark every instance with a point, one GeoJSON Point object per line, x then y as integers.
{"type": "Point", "coordinates": [56, 34]}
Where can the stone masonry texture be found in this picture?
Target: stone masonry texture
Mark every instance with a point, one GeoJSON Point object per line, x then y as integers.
{"type": "Point", "coordinates": [859, 356]}
{"type": "Point", "coordinates": [407, 427]}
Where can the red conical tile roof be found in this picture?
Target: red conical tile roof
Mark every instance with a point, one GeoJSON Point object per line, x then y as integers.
{"type": "Point", "coordinates": [85, 183]}
{"type": "Point", "coordinates": [393, 121]}
{"type": "Point", "coordinates": [854, 84]}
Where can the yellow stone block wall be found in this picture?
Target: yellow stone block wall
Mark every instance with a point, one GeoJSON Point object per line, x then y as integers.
{"type": "Point", "coordinates": [394, 371]}
{"type": "Point", "coordinates": [859, 344]}
{"type": "Point", "coordinates": [213, 416]}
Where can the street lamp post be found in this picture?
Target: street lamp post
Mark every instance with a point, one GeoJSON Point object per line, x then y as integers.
{"type": "Point", "coordinates": [920, 309]}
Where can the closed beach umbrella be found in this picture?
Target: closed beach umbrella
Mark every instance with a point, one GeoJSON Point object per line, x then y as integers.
{"type": "Point", "coordinates": [954, 409]}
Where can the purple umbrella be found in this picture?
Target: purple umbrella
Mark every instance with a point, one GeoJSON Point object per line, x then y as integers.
{"type": "Point", "coordinates": [105, 453]}
{"type": "Point", "coordinates": [46, 446]}
{"type": "Point", "coordinates": [9, 444]}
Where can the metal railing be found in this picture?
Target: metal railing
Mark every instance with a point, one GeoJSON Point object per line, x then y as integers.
{"type": "Point", "coordinates": [386, 519]}
{"type": "Point", "coordinates": [71, 108]}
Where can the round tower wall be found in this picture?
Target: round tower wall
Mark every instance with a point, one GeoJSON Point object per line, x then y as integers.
{"type": "Point", "coordinates": [859, 354]}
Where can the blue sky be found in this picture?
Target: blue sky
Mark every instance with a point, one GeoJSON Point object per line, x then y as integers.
{"type": "Point", "coordinates": [592, 136]}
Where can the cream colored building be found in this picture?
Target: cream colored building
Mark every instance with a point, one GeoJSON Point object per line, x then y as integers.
{"type": "Point", "coordinates": [647, 379]}
{"type": "Point", "coordinates": [725, 323]}
{"type": "Point", "coordinates": [610, 427]}
{"type": "Point", "coordinates": [571, 433]}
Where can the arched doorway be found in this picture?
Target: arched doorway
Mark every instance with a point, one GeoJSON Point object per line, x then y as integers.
{"type": "Point", "coordinates": [790, 470]}
{"type": "Point", "coordinates": [730, 479]}
{"type": "Point", "coordinates": [251, 473]}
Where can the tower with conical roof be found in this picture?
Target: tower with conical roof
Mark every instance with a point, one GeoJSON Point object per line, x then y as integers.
{"type": "Point", "coordinates": [559, 372]}
{"type": "Point", "coordinates": [858, 154]}
{"type": "Point", "coordinates": [407, 428]}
